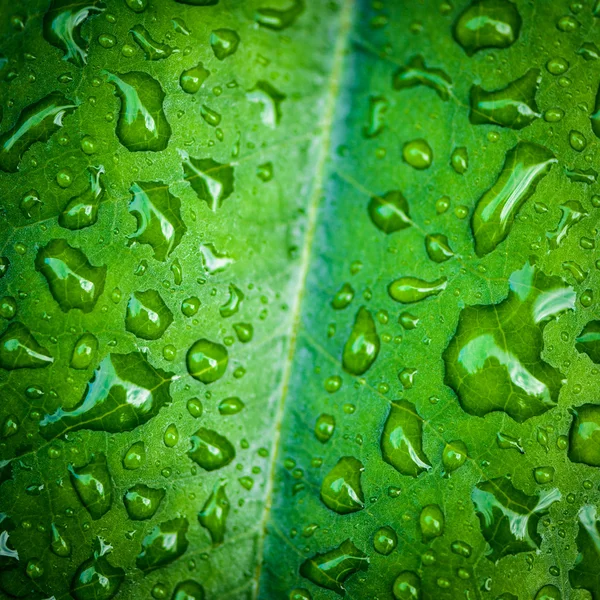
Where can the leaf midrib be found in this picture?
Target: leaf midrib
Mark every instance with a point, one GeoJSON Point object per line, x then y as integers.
{"type": "Point", "coordinates": [346, 21]}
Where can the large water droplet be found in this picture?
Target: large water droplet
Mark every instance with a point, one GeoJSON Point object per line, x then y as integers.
{"type": "Point", "coordinates": [210, 450]}
{"type": "Point", "coordinates": [524, 167]}
{"type": "Point", "coordinates": [212, 181]}
{"type": "Point", "coordinates": [58, 544]}
{"type": "Point", "coordinates": [148, 317]}
{"type": "Point", "coordinates": [224, 43]}
{"type": "Point", "coordinates": [82, 210]}
{"type": "Point", "coordinates": [207, 361]}
{"type": "Point", "coordinates": [142, 502]}
{"type": "Point", "coordinates": [158, 216]}
{"type": "Point", "coordinates": [390, 212]}
{"type": "Point", "coordinates": [487, 24]}
{"type": "Point", "coordinates": [96, 578]}
{"type": "Point", "coordinates": [135, 456]}
{"type": "Point", "coordinates": [341, 490]}
{"type": "Point", "coordinates": [213, 515]}
{"type": "Point", "coordinates": [93, 485]}
{"type": "Point", "coordinates": [402, 439]}
{"type": "Point", "coordinates": [508, 517]}
{"type": "Point", "coordinates": [191, 80]}
{"type": "Point", "coordinates": [331, 569]}
{"type": "Point", "coordinates": [142, 124]}
{"type": "Point", "coordinates": [125, 392]}
{"type": "Point", "coordinates": [73, 281]}
{"type": "Point", "coordinates": [494, 361]}
{"type": "Point", "coordinates": [385, 540]}
{"type": "Point", "coordinates": [584, 435]}
{"type": "Point", "coordinates": [584, 574]}
{"type": "Point", "coordinates": [513, 106]}
{"type": "Point", "coordinates": [163, 545]}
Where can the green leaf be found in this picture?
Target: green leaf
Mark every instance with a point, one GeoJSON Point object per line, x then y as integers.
{"type": "Point", "coordinates": [299, 299]}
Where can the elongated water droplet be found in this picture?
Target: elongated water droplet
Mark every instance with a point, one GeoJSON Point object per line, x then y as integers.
{"type": "Point", "coordinates": [213, 515]}
{"type": "Point", "coordinates": [548, 592]}
{"type": "Point", "coordinates": [454, 455]}
{"type": "Point", "coordinates": [460, 160]}
{"type": "Point", "coordinates": [142, 124]}
{"type": "Point", "coordinates": [164, 544]}
{"type": "Point", "coordinates": [93, 485]}
{"type": "Point", "coordinates": [504, 441]}
{"type": "Point", "coordinates": [244, 332]}
{"type": "Point", "coordinates": [210, 450]}
{"type": "Point", "coordinates": [125, 392]}
{"type": "Point", "coordinates": [36, 123]}
{"type": "Point", "coordinates": [416, 73]}
{"type": "Point", "coordinates": [30, 204]}
{"type": "Point", "coordinates": [214, 261]}
{"type": "Point", "coordinates": [20, 350]}
{"type": "Point", "coordinates": [487, 24]}
{"type": "Point", "coordinates": [152, 49]}
{"type": "Point", "coordinates": [584, 435]}
{"type": "Point", "coordinates": [233, 303]}
{"type": "Point", "coordinates": [58, 544]}
{"type": "Point", "coordinates": [73, 281]}
{"type": "Point", "coordinates": [378, 107]}
{"type": "Point", "coordinates": [82, 210]}
{"type": "Point", "coordinates": [543, 475]}
{"type": "Point", "coordinates": [402, 439]}
{"type": "Point", "coordinates": [408, 290]}
{"type": "Point", "coordinates": [431, 522]}
{"type": "Point", "coordinates": [142, 502]}
{"type": "Point", "coordinates": [526, 164]}
{"type": "Point", "coordinates": [362, 347]}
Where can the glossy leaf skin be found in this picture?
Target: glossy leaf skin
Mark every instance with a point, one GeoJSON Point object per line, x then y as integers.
{"type": "Point", "coordinates": [327, 324]}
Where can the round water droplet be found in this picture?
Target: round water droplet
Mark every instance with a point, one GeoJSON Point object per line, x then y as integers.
{"type": "Point", "coordinates": [385, 540]}
{"type": "Point", "coordinates": [171, 436]}
{"type": "Point", "coordinates": [407, 586]}
{"type": "Point", "coordinates": [454, 455]}
{"type": "Point", "coordinates": [135, 457]}
{"type": "Point", "coordinates": [418, 154]}
{"type": "Point", "coordinates": [207, 361]}
{"type": "Point", "coordinates": [431, 521]}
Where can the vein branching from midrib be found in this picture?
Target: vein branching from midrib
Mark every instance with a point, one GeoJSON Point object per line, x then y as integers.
{"type": "Point", "coordinates": [321, 173]}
